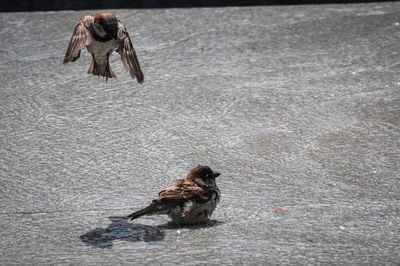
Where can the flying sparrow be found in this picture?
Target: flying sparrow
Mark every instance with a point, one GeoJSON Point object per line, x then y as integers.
{"type": "Point", "coordinates": [189, 201]}
{"type": "Point", "coordinates": [101, 34]}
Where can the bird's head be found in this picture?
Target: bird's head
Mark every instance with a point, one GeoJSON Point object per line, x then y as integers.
{"type": "Point", "coordinates": [99, 23]}
{"type": "Point", "coordinates": [202, 175]}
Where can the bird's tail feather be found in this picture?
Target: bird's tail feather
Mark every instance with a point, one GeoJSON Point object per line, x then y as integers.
{"type": "Point", "coordinates": [153, 208]}
{"type": "Point", "coordinates": [96, 70]}
{"type": "Point", "coordinates": [138, 214]}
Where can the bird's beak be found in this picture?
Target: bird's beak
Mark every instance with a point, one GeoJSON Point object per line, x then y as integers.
{"type": "Point", "coordinates": [216, 175]}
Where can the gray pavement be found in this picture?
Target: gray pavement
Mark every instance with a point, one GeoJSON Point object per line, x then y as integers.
{"type": "Point", "coordinates": [298, 107]}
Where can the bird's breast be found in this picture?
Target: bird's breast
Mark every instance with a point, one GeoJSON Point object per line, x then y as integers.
{"type": "Point", "coordinates": [101, 49]}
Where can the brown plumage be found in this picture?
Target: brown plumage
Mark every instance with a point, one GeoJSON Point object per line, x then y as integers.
{"type": "Point", "coordinates": [189, 201]}
{"type": "Point", "coordinates": [101, 34]}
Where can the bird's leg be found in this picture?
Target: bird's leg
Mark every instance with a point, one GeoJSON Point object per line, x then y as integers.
{"type": "Point", "coordinates": [107, 71]}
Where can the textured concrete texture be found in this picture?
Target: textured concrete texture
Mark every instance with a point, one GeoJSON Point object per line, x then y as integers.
{"type": "Point", "coordinates": [50, 5]}
{"type": "Point", "coordinates": [298, 107]}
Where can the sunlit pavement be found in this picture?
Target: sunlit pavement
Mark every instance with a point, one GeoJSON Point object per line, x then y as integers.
{"type": "Point", "coordinates": [298, 107]}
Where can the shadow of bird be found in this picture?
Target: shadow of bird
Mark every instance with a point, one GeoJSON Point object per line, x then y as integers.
{"type": "Point", "coordinates": [120, 229]}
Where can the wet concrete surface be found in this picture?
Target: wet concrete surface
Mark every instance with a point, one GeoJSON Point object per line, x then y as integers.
{"type": "Point", "coordinates": [298, 107]}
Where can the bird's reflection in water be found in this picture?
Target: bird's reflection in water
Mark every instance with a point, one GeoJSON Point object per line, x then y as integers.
{"type": "Point", "coordinates": [121, 229]}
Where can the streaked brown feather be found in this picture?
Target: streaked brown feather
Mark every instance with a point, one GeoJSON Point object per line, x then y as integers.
{"type": "Point", "coordinates": [128, 54]}
{"type": "Point", "coordinates": [79, 40]}
{"type": "Point", "coordinates": [183, 190]}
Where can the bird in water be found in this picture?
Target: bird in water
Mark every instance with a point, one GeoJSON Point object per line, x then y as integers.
{"type": "Point", "coordinates": [189, 201]}
{"type": "Point", "coordinates": [101, 34]}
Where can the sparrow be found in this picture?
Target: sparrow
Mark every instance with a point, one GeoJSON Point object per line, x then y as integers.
{"type": "Point", "coordinates": [189, 201]}
{"type": "Point", "coordinates": [101, 34]}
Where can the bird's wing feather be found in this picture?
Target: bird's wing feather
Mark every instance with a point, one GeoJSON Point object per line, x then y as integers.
{"type": "Point", "coordinates": [128, 54]}
{"type": "Point", "coordinates": [183, 190]}
{"type": "Point", "coordinates": [79, 40]}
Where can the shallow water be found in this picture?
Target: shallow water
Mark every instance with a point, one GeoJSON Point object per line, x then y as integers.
{"type": "Point", "coordinates": [298, 107]}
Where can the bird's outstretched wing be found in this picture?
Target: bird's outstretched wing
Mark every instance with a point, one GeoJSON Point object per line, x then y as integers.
{"type": "Point", "coordinates": [80, 39]}
{"type": "Point", "coordinates": [128, 54]}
